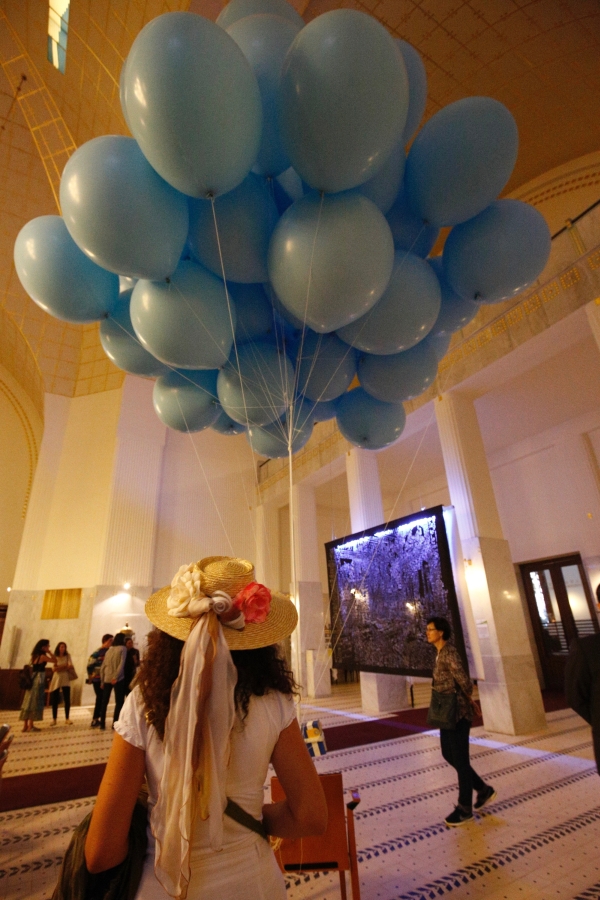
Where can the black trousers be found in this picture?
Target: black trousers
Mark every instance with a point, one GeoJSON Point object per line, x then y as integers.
{"type": "Point", "coordinates": [98, 704]}
{"type": "Point", "coordinates": [55, 700]}
{"type": "Point", "coordinates": [119, 700]}
{"type": "Point", "coordinates": [455, 750]}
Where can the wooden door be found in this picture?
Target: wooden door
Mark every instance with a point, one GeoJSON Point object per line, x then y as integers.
{"type": "Point", "coordinates": [562, 609]}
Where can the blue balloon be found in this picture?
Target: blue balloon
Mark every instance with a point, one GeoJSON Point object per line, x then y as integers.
{"type": "Point", "coordinates": [369, 423]}
{"type": "Point", "coordinates": [239, 9]}
{"type": "Point", "coordinates": [326, 366]}
{"type": "Point", "coordinates": [455, 311]}
{"type": "Point", "coordinates": [122, 346]}
{"type": "Point", "coordinates": [59, 277]}
{"type": "Point", "coordinates": [498, 253]}
{"type": "Point", "coordinates": [417, 88]}
{"type": "Point", "coordinates": [245, 218]}
{"type": "Point", "coordinates": [439, 343]}
{"type": "Point", "coordinates": [187, 401]}
{"type": "Point", "coordinates": [273, 440]}
{"type": "Point", "coordinates": [290, 323]}
{"type": "Point", "coordinates": [408, 231]}
{"type": "Point", "coordinates": [323, 411]}
{"type": "Point", "coordinates": [401, 377]}
{"type": "Point", "coordinates": [120, 212]}
{"type": "Point", "coordinates": [224, 425]}
{"type": "Point", "coordinates": [330, 259]}
{"type": "Point", "coordinates": [186, 321]}
{"type": "Point", "coordinates": [460, 160]}
{"type": "Point", "coordinates": [265, 41]}
{"type": "Point", "coordinates": [344, 100]}
{"type": "Point", "coordinates": [193, 104]}
{"type": "Point", "coordinates": [122, 92]}
{"type": "Point", "coordinates": [405, 314]}
{"type": "Point", "coordinates": [254, 387]}
{"type": "Point", "coordinates": [383, 187]}
{"type": "Point", "coordinates": [254, 312]}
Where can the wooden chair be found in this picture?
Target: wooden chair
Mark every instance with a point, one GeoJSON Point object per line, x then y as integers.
{"type": "Point", "coordinates": [334, 850]}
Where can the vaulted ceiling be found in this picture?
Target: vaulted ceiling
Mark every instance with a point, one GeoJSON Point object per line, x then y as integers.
{"type": "Point", "coordinates": [539, 57]}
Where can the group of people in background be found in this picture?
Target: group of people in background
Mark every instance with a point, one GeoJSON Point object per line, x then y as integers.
{"type": "Point", "coordinates": [113, 665]}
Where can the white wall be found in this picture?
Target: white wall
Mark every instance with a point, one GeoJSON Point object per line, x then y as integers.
{"type": "Point", "coordinates": [64, 538]}
{"type": "Point", "coordinates": [207, 501]}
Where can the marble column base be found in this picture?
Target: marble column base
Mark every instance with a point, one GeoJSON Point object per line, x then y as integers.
{"type": "Point", "coordinates": [383, 693]}
{"type": "Point", "coordinates": [511, 700]}
{"type": "Point", "coordinates": [318, 674]}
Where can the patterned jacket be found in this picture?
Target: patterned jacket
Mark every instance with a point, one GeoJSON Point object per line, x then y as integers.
{"type": "Point", "coordinates": [448, 675]}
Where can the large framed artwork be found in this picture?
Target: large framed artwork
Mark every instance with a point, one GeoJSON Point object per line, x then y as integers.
{"type": "Point", "coordinates": [384, 584]}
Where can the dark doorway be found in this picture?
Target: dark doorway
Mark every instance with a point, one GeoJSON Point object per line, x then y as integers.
{"type": "Point", "coordinates": [561, 607]}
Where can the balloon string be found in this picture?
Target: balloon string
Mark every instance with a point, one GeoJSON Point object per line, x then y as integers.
{"type": "Point", "coordinates": [208, 484]}
{"type": "Point", "coordinates": [385, 525]}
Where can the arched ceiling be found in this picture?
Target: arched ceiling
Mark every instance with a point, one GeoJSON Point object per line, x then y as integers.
{"type": "Point", "coordinates": [539, 57]}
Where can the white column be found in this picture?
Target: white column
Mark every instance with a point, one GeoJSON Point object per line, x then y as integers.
{"type": "Point", "coordinates": [266, 563]}
{"type": "Point", "coordinates": [314, 662]}
{"type": "Point", "coordinates": [380, 693]}
{"type": "Point", "coordinates": [510, 695]}
{"type": "Point", "coordinates": [134, 495]}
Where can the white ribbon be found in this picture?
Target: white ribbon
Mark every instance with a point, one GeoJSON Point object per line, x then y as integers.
{"type": "Point", "coordinates": [196, 751]}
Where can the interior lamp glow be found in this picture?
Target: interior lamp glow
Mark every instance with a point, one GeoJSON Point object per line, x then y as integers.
{"type": "Point", "coordinates": [126, 585]}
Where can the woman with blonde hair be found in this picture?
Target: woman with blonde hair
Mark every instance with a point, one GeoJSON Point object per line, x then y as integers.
{"type": "Point", "coordinates": [212, 707]}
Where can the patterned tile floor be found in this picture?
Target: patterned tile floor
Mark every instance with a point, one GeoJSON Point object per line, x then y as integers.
{"type": "Point", "coordinates": [539, 841]}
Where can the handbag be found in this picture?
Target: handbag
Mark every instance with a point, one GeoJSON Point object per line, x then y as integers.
{"type": "Point", "coordinates": [72, 673]}
{"type": "Point", "coordinates": [26, 678]}
{"type": "Point", "coordinates": [443, 710]}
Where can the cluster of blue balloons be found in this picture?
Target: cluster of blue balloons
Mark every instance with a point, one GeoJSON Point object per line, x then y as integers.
{"type": "Point", "coordinates": [272, 230]}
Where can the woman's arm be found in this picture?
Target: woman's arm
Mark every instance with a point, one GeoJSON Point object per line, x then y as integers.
{"type": "Point", "coordinates": [106, 844]}
{"type": "Point", "coordinates": [304, 811]}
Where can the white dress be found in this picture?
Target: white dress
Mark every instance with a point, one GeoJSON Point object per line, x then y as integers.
{"type": "Point", "coordinates": [245, 869]}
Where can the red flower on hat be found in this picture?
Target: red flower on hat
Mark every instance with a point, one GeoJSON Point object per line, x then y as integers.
{"type": "Point", "coordinates": [254, 601]}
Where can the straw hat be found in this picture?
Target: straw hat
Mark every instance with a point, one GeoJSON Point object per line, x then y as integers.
{"type": "Point", "coordinates": [229, 574]}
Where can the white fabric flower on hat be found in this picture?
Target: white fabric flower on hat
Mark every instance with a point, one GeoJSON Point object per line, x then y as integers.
{"type": "Point", "coordinates": [187, 597]}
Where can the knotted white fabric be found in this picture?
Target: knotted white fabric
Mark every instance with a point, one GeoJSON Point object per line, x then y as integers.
{"type": "Point", "coordinates": [196, 750]}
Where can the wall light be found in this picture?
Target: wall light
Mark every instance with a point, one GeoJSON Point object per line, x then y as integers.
{"type": "Point", "coordinates": [126, 585]}
{"type": "Point", "coordinates": [9, 589]}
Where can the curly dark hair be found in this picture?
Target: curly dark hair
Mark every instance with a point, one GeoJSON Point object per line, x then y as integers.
{"type": "Point", "coordinates": [259, 671]}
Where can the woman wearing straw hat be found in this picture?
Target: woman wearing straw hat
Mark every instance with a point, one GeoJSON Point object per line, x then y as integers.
{"type": "Point", "coordinates": [202, 725]}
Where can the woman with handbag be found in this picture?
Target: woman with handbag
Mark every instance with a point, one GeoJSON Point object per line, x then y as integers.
{"type": "Point", "coordinates": [213, 704]}
{"type": "Point", "coordinates": [63, 673]}
{"type": "Point", "coordinates": [32, 709]}
{"type": "Point", "coordinates": [452, 710]}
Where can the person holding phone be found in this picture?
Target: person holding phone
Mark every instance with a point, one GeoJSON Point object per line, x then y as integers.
{"type": "Point", "coordinates": [32, 709]}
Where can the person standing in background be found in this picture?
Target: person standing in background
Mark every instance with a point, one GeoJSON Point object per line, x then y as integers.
{"type": "Point", "coordinates": [132, 663]}
{"type": "Point", "coordinates": [32, 709]}
{"type": "Point", "coordinates": [449, 677]}
{"type": "Point", "coordinates": [61, 682]}
{"type": "Point", "coordinates": [112, 675]}
{"type": "Point", "coordinates": [582, 684]}
{"type": "Point", "coordinates": [93, 669]}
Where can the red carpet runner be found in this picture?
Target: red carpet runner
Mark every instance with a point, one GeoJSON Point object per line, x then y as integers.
{"type": "Point", "coordinates": [70, 784]}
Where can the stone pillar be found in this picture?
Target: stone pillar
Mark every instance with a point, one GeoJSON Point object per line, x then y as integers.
{"type": "Point", "coordinates": [510, 695]}
{"type": "Point", "coordinates": [380, 693]}
{"type": "Point", "coordinates": [313, 658]}
{"type": "Point", "coordinates": [266, 563]}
